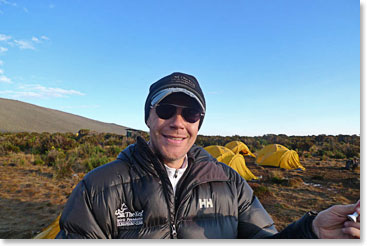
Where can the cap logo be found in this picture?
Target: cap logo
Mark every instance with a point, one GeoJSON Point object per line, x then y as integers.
{"type": "Point", "coordinates": [183, 80]}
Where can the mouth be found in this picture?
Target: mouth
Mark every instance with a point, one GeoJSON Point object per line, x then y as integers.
{"type": "Point", "coordinates": [175, 139]}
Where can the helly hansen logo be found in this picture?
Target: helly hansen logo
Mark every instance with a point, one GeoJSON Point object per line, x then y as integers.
{"type": "Point", "coordinates": [205, 203]}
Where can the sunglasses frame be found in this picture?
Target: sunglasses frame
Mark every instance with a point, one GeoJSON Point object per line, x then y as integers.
{"type": "Point", "coordinates": [177, 106]}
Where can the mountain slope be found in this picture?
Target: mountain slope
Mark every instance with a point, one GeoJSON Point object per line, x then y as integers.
{"type": "Point", "coordinates": [17, 116]}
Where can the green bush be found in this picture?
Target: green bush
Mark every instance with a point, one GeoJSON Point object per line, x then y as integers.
{"type": "Point", "coordinates": [113, 151]}
{"type": "Point", "coordinates": [63, 166]}
{"type": "Point", "coordinates": [94, 161]}
{"type": "Point", "coordinates": [339, 155]}
{"type": "Point", "coordinates": [54, 156]}
{"type": "Point", "coordinates": [261, 191]}
{"type": "Point", "coordinates": [38, 160]}
{"type": "Point", "coordinates": [8, 146]}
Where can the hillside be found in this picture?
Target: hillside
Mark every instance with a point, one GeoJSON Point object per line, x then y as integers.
{"type": "Point", "coordinates": [17, 116]}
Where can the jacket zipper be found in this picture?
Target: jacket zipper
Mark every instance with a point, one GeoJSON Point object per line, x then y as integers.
{"type": "Point", "coordinates": [180, 205]}
{"type": "Point", "coordinates": [174, 232]}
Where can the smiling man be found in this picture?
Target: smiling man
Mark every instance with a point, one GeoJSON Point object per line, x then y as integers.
{"type": "Point", "coordinates": [171, 188]}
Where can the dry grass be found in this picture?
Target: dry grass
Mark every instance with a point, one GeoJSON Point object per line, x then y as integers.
{"type": "Point", "coordinates": [323, 184]}
{"type": "Point", "coordinates": [32, 197]}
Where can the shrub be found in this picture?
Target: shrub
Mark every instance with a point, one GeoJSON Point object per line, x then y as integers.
{"type": "Point", "coordinates": [94, 161]}
{"type": "Point", "coordinates": [54, 156]}
{"type": "Point", "coordinates": [86, 150]}
{"type": "Point", "coordinates": [339, 155]}
{"type": "Point", "coordinates": [261, 191]}
{"type": "Point", "coordinates": [113, 151]}
{"type": "Point", "coordinates": [8, 146]}
{"type": "Point", "coordinates": [63, 166]}
{"type": "Point", "coordinates": [38, 160]}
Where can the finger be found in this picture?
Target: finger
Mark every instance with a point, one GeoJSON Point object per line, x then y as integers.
{"type": "Point", "coordinates": [352, 224]}
{"type": "Point", "coordinates": [353, 232]}
{"type": "Point", "coordinates": [343, 210]}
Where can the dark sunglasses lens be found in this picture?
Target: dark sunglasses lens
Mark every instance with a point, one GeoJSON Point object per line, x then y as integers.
{"type": "Point", "coordinates": [165, 111]}
{"type": "Point", "coordinates": [191, 114]}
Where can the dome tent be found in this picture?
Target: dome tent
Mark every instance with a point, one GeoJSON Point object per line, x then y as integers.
{"type": "Point", "coordinates": [239, 147]}
{"type": "Point", "coordinates": [51, 231]}
{"type": "Point", "coordinates": [220, 153]}
{"type": "Point", "coordinates": [277, 155]}
{"type": "Point", "coordinates": [235, 161]}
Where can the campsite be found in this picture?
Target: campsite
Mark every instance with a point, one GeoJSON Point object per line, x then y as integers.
{"type": "Point", "coordinates": [39, 171]}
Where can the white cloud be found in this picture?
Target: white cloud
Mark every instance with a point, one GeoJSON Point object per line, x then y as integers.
{"type": "Point", "coordinates": [47, 92]}
{"type": "Point", "coordinates": [39, 91]}
{"type": "Point", "coordinates": [9, 42]}
{"type": "Point", "coordinates": [3, 49]}
{"type": "Point", "coordinates": [39, 40]}
{"type": "Point", "coordinates": [4, 79]}
{"type": "Point", "coordinates": [22, 44]}
{"type": "Point", "coordinates": [4, 37]}
{"type": "Point", "coordinates": [5, 2]}
{"type": "Point", "coordinates": [19, 94]}
{"type": "Point", "coordinates": [34, 39]}
{"type": "Point", "coordinates": [44, 37]}
{"type": "Point", "coordinates": [1, 71]}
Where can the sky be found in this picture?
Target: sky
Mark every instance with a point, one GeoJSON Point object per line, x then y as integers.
{"type": "Point", "coordinates": [266, 67]}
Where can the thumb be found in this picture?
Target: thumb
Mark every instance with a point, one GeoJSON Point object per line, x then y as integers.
{"type": "Point", "coordinates": [343, 210]}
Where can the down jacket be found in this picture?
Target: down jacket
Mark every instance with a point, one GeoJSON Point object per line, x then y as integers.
{"type": "Point", "coordinates": [132, 197]}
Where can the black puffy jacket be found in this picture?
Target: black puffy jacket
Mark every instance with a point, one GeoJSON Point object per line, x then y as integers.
{"type": "Point", "coordinates": [132, 197]}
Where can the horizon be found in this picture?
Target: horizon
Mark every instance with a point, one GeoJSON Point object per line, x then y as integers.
{"type": "Point", "coordinates": [266, 134]}
{"type": "Point", "coordinates": [284, 67]}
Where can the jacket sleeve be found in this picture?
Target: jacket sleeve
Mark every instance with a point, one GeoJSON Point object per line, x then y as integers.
{"type": "Point", "coordinates": [300, 229]}
{"type": "Point", "coordinates": [253, 220]}
{"type": "Point", "coordinates": [77, 219]}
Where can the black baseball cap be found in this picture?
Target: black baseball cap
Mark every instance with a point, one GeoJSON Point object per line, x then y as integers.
{"type": "Point", "coordinates": [175, 83]}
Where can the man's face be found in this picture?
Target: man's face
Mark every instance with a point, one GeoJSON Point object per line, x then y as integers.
{"type": "Point", "coordinates": [172, 138]}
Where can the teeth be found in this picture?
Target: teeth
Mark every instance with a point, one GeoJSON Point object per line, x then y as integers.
{"type": "Point", "coordinates": [177, 139]}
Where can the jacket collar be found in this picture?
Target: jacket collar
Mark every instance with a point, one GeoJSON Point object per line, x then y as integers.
{"type": "Point", "coordinates": [202, 166]}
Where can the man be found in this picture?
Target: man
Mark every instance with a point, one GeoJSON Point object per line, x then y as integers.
{"type": "Point", "coordinates": [171, 188]}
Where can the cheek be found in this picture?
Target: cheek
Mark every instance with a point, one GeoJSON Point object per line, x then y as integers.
{"type": "Point", "coordinates": [193, 130]}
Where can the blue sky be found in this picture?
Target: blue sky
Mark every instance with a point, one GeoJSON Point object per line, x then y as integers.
{"type": "Point", "coordinates": [274, 66]}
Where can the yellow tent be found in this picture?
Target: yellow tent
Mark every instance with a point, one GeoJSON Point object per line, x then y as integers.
{"type": "Point", "coordinates": [238, 163]}
{"type": "Point", "coordinates": [235, 161]}
{"type": "Point", "coordinates": [51, 231]}
{"type": "Point", "coordinates": [277, 155]}
{"type": "Point", "coordinates": [221, 153]}
{"type": "Point", "coordinates": [239, 147]}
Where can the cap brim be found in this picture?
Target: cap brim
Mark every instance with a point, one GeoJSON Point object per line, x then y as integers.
{"type": "Point", "coordinates": [160, 95]}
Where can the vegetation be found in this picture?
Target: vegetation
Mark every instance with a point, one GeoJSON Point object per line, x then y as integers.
{"type": "Point", "coordinates": [68, 153]}
{"type": "Point", "coordinates": [322, 146]}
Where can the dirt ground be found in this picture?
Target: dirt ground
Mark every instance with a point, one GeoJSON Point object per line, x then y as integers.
{"type": "Point", "coordinates": [31, 198]}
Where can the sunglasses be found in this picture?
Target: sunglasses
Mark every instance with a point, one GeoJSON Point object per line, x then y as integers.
{"type": "Point", "coordinates": [167, 111]}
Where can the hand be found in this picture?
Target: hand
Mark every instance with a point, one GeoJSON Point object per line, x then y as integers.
{"type": "Point", "coordinates": [333, 222]}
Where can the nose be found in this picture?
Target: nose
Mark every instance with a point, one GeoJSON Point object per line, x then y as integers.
{"type": "Point", "coordinates": [177, 121]}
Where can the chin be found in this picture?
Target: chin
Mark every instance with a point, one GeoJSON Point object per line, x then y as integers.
{"type": "Point", "coordinates": [169, 156]}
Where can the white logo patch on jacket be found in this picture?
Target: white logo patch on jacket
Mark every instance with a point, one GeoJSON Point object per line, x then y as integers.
{"type": "Point", "coordinates": [206, 203]}
{"type": "Point", "coordinates": [127, 218]}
